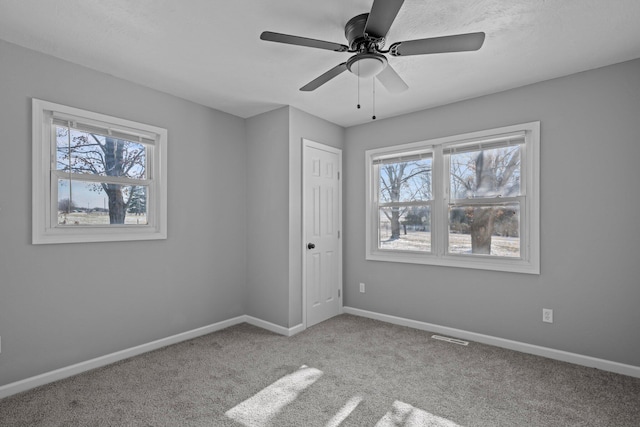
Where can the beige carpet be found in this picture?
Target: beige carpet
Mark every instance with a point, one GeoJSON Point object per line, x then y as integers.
{"type": "Point", "coordinates": [348, 371]}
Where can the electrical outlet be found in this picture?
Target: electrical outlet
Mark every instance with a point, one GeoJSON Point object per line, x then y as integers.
{"type": "Point", "coordinates": [362, 287]}
{"type": "Point", "coordinates": [547, 315]}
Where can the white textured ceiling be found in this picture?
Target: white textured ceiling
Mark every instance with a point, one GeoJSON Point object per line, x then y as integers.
{"type": "Point", "coordinates": [209, 51]}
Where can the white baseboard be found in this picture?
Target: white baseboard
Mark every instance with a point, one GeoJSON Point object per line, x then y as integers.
{"type": "Point", "coordinates": [578, 359]}
{"type": "Point", "coordinates": [58, 374]}
{"type": "Point", "coordinates": [296, 329]}
{"type": "Point", "coordinates": [273, 327]}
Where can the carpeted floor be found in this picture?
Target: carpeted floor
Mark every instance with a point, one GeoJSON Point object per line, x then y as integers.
{"type": "Point", "coordinates": [347, 371]}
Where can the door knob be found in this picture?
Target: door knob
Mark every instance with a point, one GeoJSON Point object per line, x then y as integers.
{"type": "Point", "coordinates": [311, 246]}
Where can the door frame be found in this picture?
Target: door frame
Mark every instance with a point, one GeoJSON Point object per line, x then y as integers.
{"type": "Point", "coordinates": [307, 143]}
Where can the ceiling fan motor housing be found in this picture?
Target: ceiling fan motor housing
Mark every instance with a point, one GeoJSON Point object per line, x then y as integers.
{"type": "Point", "coordinates": [354, 31]}
{"type": "Point", "coordinates": [367, 62]}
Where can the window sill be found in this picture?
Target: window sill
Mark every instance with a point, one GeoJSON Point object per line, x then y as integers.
{"type": "Point", "coordinates": [459, 261]}
{"type": "Point", "coordinates": [85, 235]}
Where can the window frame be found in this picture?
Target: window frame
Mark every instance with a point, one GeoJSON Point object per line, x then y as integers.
{"type": "Point", "coordinates": [45, 227]}
{"type": "Point", "coordinates": [529, 261]}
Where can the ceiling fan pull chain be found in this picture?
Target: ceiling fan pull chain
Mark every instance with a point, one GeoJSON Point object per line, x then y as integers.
{"type": "Point", "coordinates": [358, 85]}
{"type": "Point", "coordinates": [374, 98]}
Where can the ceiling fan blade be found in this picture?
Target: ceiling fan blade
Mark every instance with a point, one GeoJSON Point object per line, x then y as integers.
{"type": "Point", "coordinates": [302, 41]}
{"type": "Point", "coordinates": [391, 80]}
{"type": "Point", "coordinates": [382, 15]}
{"type": "Point", "coordinates": [457, 43]}
{"type": "Point", "coordinates": [322, 79]}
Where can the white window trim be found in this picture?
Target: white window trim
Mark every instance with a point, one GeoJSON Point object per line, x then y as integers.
{"type": "Point", "coordinates": [44, 230]}
{"type": "Point", "coordinates": [530, 215]}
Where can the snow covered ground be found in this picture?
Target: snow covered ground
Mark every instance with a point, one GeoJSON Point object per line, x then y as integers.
{"type": "Point", "coordinates": [97, 218]}
{"type": "Point", "coordinates": [458, 243]}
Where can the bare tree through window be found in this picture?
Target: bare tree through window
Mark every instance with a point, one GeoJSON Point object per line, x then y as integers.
{"type": "Point", "coordinates": [84, 153]}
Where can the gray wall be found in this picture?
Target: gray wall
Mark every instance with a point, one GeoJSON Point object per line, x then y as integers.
{"type": "Point", "coordinates": [268, 219]}
{"type": "Point", "coordinates": [229, 177]}
{"type": "Point", "coordinates": [64, 304]}
{"type": "Point", "coordinates": [590, 231]}
{"type": "Point", "coordinates": [274, 153]}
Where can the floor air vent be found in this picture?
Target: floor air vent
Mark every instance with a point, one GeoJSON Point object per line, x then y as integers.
{"type": "Point", "coordinates": [451, 340]}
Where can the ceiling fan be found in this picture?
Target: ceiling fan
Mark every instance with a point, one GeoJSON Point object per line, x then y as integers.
{"type": "Point", "coordinates": [366, 36]}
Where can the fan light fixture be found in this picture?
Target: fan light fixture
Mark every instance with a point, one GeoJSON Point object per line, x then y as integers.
{"type": "Point", "coordinates": [366, 64]}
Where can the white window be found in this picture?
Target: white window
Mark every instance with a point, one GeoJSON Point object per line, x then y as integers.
{"type": "Point", "coordinates": [96, 177]}
{"type": "Point", "coordinates": [468, 200]}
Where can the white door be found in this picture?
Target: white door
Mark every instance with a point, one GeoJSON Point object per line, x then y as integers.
{"type": "Point", "coordinates": [322, 244]}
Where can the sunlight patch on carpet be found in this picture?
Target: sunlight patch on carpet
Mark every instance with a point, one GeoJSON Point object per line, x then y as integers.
{"type": "Point", "coordinates": [259, 410]}
{"type": "Point", "coordinates": [403, 414]}
{"type": "Point", "coordinates": [344, 412]}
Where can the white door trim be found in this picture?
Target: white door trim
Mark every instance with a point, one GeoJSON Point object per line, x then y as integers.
{"type": "Point", "coordinates": [307, 143]}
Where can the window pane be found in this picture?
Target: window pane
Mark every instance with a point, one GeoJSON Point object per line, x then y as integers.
{"type": "Point", "coordinates": [90, 203]}
{"type": "Point", "coordinates": [406, 228]}
{"type": "Point", "coordinates": [87, 153]}
{"type": "Point", "coordinates": [485, 230]}
{"type": "Point", "coordinates": [405, 181]}
{"type": "Point", "coordinates": [485, 173]}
